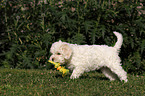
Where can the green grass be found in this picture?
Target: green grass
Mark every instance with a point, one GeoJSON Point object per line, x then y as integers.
{"type": "Point", "coordinates": [14, 82]}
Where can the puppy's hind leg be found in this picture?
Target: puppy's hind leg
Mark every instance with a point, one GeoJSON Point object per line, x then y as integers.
{"type": "Point", "coordinates": [119, 71]}
{"type": "Point", "coordinates": [108, 73]}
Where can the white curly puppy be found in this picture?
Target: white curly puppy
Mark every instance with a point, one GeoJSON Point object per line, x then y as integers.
{"type": "Point", "coordinates": [85, 58]}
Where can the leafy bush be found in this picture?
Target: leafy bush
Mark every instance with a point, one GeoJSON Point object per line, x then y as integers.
{"type": "Point", "coordinates": [29, 27]}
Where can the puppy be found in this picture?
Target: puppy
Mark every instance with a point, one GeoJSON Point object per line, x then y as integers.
{"type": "Point", "coordinates": [85, 58]}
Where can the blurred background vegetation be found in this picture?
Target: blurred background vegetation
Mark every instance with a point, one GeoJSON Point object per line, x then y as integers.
{"type": "Point", "coordinates": [29, 27]}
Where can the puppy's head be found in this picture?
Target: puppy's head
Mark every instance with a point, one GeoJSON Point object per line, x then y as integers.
{"type": "Point", "coordinates": [61, 52]}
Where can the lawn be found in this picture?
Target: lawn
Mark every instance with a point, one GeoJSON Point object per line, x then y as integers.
{"type": "Point", "coordinates": [14, 82]}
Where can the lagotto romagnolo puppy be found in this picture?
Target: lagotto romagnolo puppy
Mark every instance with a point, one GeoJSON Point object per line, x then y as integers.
{"type": "Point", "coordinates": [85, 58]}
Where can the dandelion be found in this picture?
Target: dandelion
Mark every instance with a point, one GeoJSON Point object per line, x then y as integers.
{"type": "Point", "coordinates": [61, 2]}
{"type": "Point", "coordinates": [44, 65]}
{"type": "Point", "coordinates": [10, 74]}
{"type": "Point", "coordinates": [73, 9]}
{"type": "Point", "coordinates": [17, 17]}
{"type": "Point", "coordinates": [60, 6]}
{"type": "Point", "coordinates": [22, 31]}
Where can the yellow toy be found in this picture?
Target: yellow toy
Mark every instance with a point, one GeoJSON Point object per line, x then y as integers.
{"type": "Point", "coordinates": [60, 68]}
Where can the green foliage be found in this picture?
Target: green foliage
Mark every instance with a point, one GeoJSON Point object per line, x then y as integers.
{"type": "Point", "coordinates": [29, 27]}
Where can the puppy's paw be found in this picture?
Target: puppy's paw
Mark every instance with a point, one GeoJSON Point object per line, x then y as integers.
{"type": "Point", "coordinates": [125, 81]}
{"type": "Point", "coordinates": [74, 76]}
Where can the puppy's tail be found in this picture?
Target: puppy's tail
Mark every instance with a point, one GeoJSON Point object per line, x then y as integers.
{"type": "Point", "coordinates": [119, 40]}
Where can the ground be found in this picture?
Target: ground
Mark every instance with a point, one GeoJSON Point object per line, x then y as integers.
{"type": "Point", "coordinates": [50, 82]}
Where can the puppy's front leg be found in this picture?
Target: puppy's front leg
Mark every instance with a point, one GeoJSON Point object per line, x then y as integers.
{"type": "Point", "coordinates": [76, 73]}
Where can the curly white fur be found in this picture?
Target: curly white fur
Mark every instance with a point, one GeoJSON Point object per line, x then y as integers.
{"type": "Point", "coordinates": [85, 58]}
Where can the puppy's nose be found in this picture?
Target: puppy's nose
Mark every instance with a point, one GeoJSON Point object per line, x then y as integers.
{"type": "Point", "coordinates": [52, 59]}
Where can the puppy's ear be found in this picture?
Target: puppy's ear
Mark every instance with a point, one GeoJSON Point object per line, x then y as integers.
{"type": "Point", "coordinates": [66, 51]}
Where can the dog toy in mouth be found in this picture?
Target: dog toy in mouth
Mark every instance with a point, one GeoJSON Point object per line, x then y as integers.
{"type": "Point", "coordinates": [60, 68]}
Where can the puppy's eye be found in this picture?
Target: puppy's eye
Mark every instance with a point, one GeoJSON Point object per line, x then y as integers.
{"type": "Point", "coordinates": [58, 54]}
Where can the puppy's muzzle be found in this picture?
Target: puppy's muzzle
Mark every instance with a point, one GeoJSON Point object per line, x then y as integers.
{"type": "Point", "coordinates": [52, 58]}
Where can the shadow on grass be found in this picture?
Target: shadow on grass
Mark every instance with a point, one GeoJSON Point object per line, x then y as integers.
{"type": "Point", "coordinates": [58, 76]}
{"type": "Point", "coordinates": [94, 77]}
{"type": "Point", "coordinates": [84, 77]}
